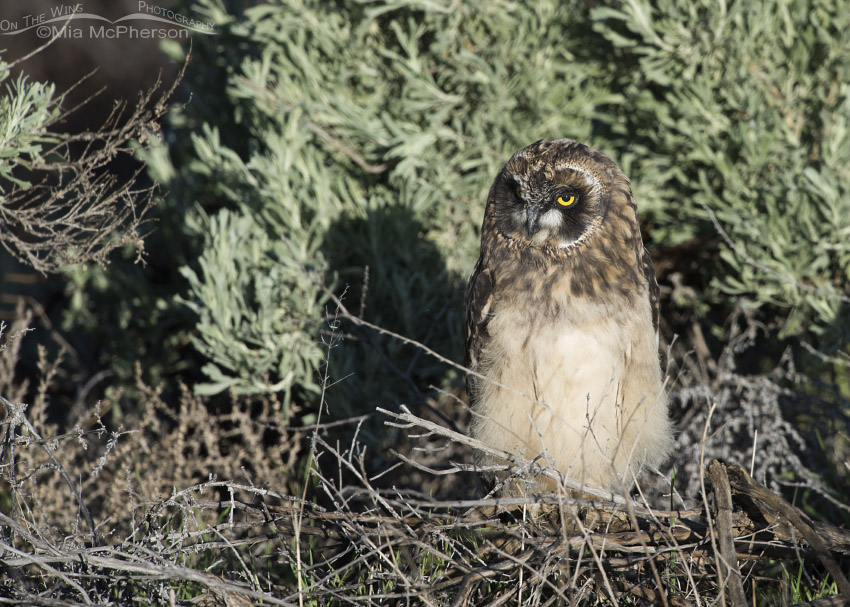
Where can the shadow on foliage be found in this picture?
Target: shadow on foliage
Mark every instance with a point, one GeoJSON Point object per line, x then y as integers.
{"type": "Point", "coordinates": [388, 273]}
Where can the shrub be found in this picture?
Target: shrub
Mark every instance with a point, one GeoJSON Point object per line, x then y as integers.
{"type": "Point", "coordinates": [740, 112]}
{"type": "Point", "coordinates": [355, 143]}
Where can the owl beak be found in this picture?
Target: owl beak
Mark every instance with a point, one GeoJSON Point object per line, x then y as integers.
{"type": "Point", "coordinates": [532, 219]}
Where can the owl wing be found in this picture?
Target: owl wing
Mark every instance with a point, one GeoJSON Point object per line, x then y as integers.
{"type": "Point", "coordinates": [654, 291]}
{"type": "Point", "coordinates": [479, 300]}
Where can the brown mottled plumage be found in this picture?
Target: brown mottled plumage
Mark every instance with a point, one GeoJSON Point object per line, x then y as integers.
{"type": "Point", "coordinates": [562, 316]}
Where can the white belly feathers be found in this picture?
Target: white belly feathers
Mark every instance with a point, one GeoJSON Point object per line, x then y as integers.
{"type": "Point", "coordinates": [567, 395]}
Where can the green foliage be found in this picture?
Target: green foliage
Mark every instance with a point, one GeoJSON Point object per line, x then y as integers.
{"type": "Point", "coordinates": [27, 109]}
{"type": "Point", "coordinates": [323, 139]}
{"type": "Point", "coordinates": [794, 586]}
{"type": "Point", "coordinates": [743, 108]}
{"type": "Point", "coordinates": [250, 289]}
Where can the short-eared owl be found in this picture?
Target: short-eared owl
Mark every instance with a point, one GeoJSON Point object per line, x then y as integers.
{"type": "Point", "coordinates": [562, 318]}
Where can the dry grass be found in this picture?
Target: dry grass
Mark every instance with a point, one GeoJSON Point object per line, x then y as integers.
{"type": "Point", "coordinates": [183, 505]}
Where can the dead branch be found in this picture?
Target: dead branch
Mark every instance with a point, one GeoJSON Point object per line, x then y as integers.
{"type": "Point", "coordinates": [73, 209]}
{"type": "Point", "coordinates": [730, 574]}
{"type": "Point", "coordinates": [783, 513]}
{"type": "Point", "coordinates": [557, 534]}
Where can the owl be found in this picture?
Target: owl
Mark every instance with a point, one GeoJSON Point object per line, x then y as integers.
{"type": "Point", "coordinates": [562, 321]}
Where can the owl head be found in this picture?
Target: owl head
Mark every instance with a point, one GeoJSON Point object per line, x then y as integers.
{"type": "Point", "coordinates": [554, 195]}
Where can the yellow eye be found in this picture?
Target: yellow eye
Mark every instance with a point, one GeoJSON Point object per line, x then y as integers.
{"type": "Point", "coordinates": [518, 192]}
{"type": "Point", "coordinates": [565, 202]}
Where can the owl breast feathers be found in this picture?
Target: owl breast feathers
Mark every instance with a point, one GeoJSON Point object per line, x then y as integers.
{"type": "Point", "coordinates": [562, 316]}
